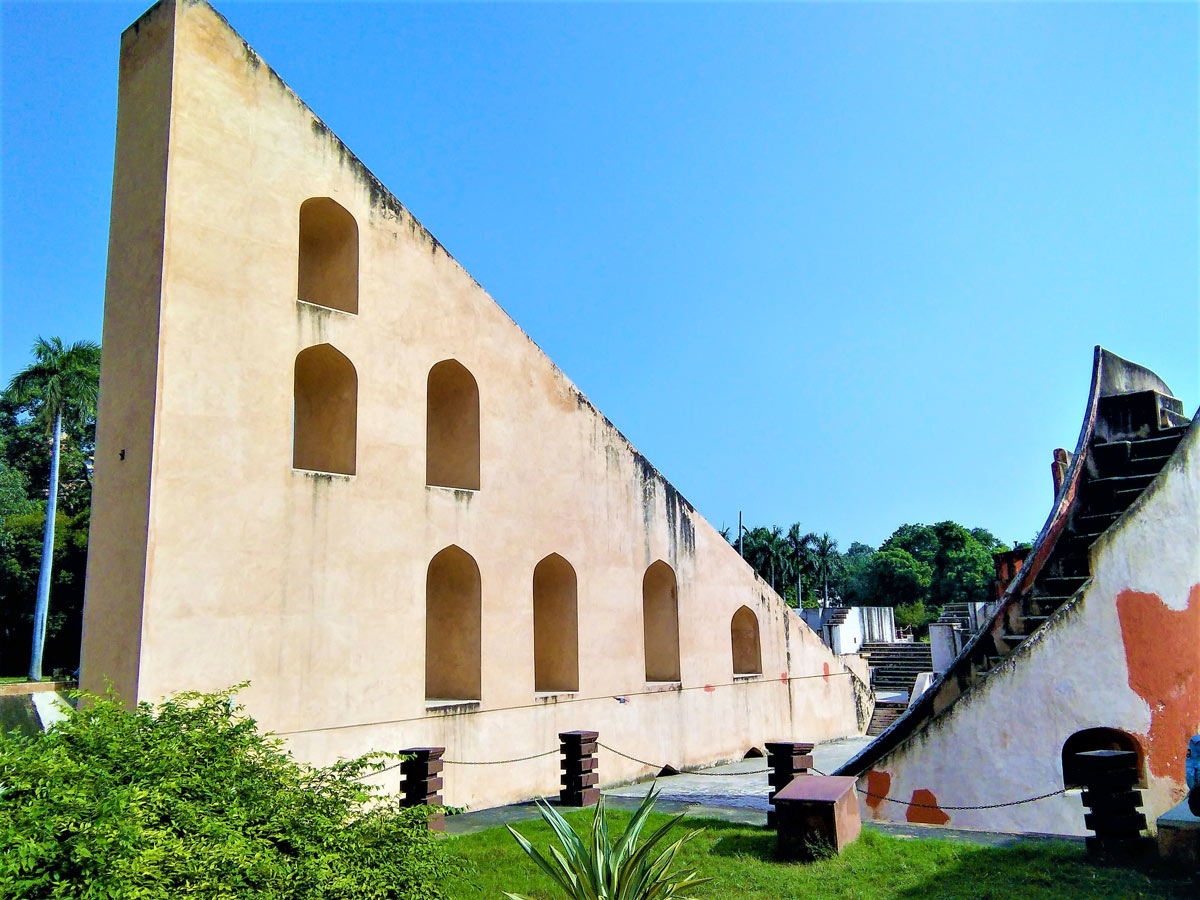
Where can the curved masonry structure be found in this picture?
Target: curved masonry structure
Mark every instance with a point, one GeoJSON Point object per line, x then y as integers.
{"type": "Point", "coordinates": [1119, 653]}
{"type": "Point", "coordinates": [240, 530]}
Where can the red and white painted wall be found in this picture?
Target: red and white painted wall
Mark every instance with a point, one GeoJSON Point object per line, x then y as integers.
{"type": "Point", "coordinates": [1124, 655]}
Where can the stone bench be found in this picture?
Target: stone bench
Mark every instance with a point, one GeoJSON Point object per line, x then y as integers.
{"type": "Point", "coordinates": [815, 813]}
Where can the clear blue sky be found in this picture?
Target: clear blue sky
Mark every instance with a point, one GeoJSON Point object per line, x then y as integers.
{"type": "Point", "coordinates": [835, 263]}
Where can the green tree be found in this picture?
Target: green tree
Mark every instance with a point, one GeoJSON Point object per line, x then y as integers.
{"type": "Point", "coordinates": [919, 541]}
{"type": "Point", "coordinates": [826, 561]}
{"type": "Point", "coordinates": [766, 552]}
{"type": "Point", "coordinates": [800, 555]}
{"type": "Point", "coordinates": [189, 799]}
{"type": "Point", "coordinates": [963, 567]}
{"type": "Point", "coordinates": [60, 386]}
{"type": "Point", "coordinates": [895, 577]}
{"type": "Point", "coordinates": [852, 582]}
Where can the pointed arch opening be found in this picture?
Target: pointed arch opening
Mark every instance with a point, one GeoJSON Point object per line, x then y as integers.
{"type": "Point", "coordinates": [453, 627]}
{"type": "Point", "coordinates": [324, 411]}
{"type": "Point", "coordinates": [747, 651]}
{"type": "Point", "coordinates": [660, 622]}
{"type": "Point", "coordinates": [328, 266]}
{"type": "Point", "coordinates": [555, 626]}
{"type": "Point", "coordinates": [1098, 739]}
{"type": "Point", "coordinates": [452, 427]}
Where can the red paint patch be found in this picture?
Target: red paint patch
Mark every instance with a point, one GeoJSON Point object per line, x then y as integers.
{"type": "Point", "coordinates": [783, 677]}
{"type": "Point", "coordinates": [708, 689]}
{"type": "Point", "coordinates": [826, 675]}
{"type": "Point", "coordinates": [879, 783]}
{"type": "Point", "coordinates": [928, 813]}
{"type": "Point", "coordinates": [1160, 651]}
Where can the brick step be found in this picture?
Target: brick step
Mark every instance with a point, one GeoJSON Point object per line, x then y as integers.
{"type": "Point", "coordinates": [885, 714]}
{"type": "Point", "coordinates": [1095, 524]}
{"type": "Point", "coordinates": [1032, 606]}
{"type": "Point", "coordinates": [1162, 445]}
{"type": "Point", "coordinates": [1059, 586]}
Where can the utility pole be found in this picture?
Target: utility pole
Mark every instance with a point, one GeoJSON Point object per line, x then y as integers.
{"type": "Point", "coordinates": [741, 548]}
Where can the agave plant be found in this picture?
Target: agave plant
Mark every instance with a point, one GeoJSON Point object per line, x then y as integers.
{"type": "Point", "coordinates": [601, 869]}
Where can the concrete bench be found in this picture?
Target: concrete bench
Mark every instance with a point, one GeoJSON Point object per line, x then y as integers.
{"type": "Point", "coordinates": [1179, 837]}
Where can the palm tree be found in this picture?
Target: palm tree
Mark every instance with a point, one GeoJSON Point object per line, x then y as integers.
{"type": "Point", "coordinates": [825, 562]}
{"type": "Point", "coordinates": [800, 546]}
{"type": "Point", "coordinates": [60, 387]}
{"type": "Point", "coordinates": [765, 552]}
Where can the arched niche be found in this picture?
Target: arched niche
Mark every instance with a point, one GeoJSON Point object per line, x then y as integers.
{"type": "Point", "coordinates": [453, 627]}
{"type": "Point", "coordinates": [555, 626]}
{"type": "Point", "coordinates": [660, 622]}
{"type": "Point", "coordinates": [1098, 739]}
{"type": "Point", "coordinates": [324, 411]}
{"type": "Point", "coordinates": [452, 427]}
{"type": "Point", "coordinates": [328, 257]}
{"type": "Point", "coordinates": [747, 652]}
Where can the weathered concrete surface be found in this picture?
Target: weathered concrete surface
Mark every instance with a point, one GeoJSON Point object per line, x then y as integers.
{"type": "Point", "coordinates": [213, 560]}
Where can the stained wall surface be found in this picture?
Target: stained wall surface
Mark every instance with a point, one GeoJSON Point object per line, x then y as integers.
{"type": "Point", "coordinates": [216, 560]}
{"type": "Point", "coordinates": [1125, 655]}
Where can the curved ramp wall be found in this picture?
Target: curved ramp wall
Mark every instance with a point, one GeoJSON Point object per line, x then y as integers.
{"type": "Point", "coordinates": [1125, 654]}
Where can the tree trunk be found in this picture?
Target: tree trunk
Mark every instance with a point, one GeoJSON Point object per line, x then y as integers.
{"type": "Point", "coordinates": [42, 607]}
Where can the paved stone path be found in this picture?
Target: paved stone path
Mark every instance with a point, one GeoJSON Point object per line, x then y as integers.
{"type": "Point", "coordinates": [725, 786]}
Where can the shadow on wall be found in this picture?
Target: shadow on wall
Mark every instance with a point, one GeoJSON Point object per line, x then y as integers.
{"type": "Point", "coordinates": [555, 626]}
{"type": "Point", "coordinates": [660, 622]}
{"type": "Point", "coordinates": [747, 652]}
{"type": "Point", "coordinates": [453, 628]}
{"type": "Point", "coordinates": [1098, 739]}
{"type": "Point", "coordinates": [325, 411]}
{"type": "Point", "coordinates": [452, 427]}
{"type": "Point", "coordinates": [328, 257]}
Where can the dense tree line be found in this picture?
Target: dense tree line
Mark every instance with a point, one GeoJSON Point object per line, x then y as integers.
{"type": "Point", "coordinates": [26, 451]}
{"type": "Point", "coordinates": [917, 570]}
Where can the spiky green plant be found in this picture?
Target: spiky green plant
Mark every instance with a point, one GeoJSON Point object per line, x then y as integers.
{"type": "Point", "coordinates": [600, 869]}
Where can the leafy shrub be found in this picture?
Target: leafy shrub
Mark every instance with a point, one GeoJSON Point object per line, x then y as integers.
{"type": "Point", "coordinates": [187, 799]}
{"type": "Point", "coordinates": [599, 869]}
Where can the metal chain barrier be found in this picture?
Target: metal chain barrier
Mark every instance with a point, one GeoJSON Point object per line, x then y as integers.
{"type": "Point", "coordinates": [941, 806]}
{"type": "Point", "coordinates": [497, 762]}
{"type": "Point", "coordinates": [458, 762]}
{"type": "Point", "coordinates": [660, 768]}
{"type": "Point", "coordinates": [957, 808]}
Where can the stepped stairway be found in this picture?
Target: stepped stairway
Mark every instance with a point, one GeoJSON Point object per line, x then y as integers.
{"type": "Point", "coordinates": [886, 712]}
{"type": "Point", "coordinates": [839, 616]}
{"type": "Point", "coordinates": [896, 666]}
{"type": "Point", "coordinates": [956, 614]}
{"type": "Point", "coordinates": [1128, 437]}
{"type": "Point", "coordinates": [1119, 472]}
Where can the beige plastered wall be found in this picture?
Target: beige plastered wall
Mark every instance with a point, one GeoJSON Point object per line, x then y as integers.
{"type": "Point", "coordinates": [1124, 655]}
{"type": "Point", "coordinates": [312, 587]}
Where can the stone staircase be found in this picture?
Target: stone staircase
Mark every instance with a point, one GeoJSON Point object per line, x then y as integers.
{"type": "Point", "coordinates": [895, 666]}
{"type": "Point", "coordinates": [956, 614]}
{"type": "Point", "coordinates": [839, 616]}
{"type": "Point", "coordinates": [1120, 471]}
{"type": "Point", "coordinates": [886, 712]}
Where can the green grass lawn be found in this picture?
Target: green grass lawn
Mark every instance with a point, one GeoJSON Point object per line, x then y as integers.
{"type": "Point", "coordinates": [740, 859]}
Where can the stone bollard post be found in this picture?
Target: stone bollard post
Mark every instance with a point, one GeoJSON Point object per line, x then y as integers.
{"type": "Point", "coordinates": [579, 775]}
{"type": "Point", "coordinates": [787, 759]}
{"type": "Point", "coordinates": [1110, 792]}
{"type": "Point", "coordinates": [421, 782]}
